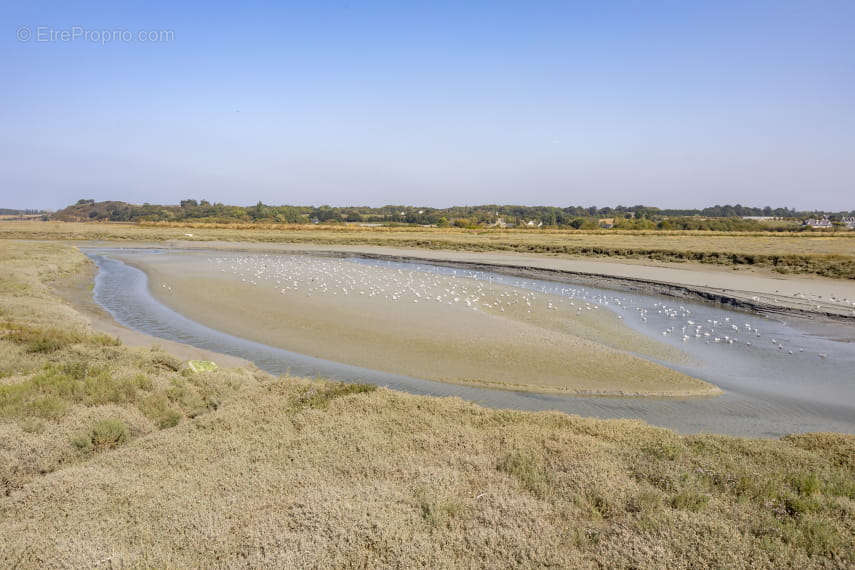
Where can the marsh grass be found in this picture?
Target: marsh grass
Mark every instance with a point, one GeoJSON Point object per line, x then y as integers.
{"type": "Point", "coordinates": [689, 500]}
{"type": "Point", "coordinates": [319, 396]}
{"type": "Point", "coordinates": [50, 339]}
{"type": "Point", "coordinates": [120, 454]}
{"type": "Point", "coordinates": [59, 373]}
{"type": "Point", "coordinates": [828, 255]}
{"type": "Point", "coordinates": [530, 470]}
{"type": "Point", "coordinates": [437, 512]}
{"type": "Point", "coordinates": [105, 434]}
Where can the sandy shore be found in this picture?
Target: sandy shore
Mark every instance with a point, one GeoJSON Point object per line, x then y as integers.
{"type": "Point", "coordinates": [760, 290]}
{"type": "Point", "coordinates": [77, 291]}
{"type": "Point", "coordinates": [557, 350]}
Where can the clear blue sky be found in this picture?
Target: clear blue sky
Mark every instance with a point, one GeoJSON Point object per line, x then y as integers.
{"type": "Point", "coordinates": [676, 104]}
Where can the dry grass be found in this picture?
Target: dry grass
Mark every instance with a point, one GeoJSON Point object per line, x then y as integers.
{"type": "Point", "coordinates": [829, 255]}
{"type": "Point", "coordinates": [58, 379]}
{"type": "Point", "coordinates": [263, 471]}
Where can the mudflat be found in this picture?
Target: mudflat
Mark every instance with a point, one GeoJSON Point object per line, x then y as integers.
{"type": "Point", "coordinates": [499, 337]}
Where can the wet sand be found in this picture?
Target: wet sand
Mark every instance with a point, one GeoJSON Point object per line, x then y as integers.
{"type": "Point", "coordinates": [561, 349]}
{"type": "Point", "coordinates": [77, 291]}
{"type": "Point", "coordinates": [759, 290]}
{"type": "Point", "coordinates": [767, 393]}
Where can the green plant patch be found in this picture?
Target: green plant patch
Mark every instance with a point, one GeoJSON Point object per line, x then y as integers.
{"type": "Point", "coordinates": [105, 434]}
{"type": "Point", "coordinates": [202, 365]}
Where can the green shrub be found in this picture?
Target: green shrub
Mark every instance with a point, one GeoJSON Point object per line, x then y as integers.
{"type": "Point", "coordinates": [530, 471]}
{"type": "Point", "coordinates": [47, 340]}
{"type": "Point", "coordinates": [805, 484]}
{"type": "Point", "coordinates": [817, 538]}
{"type": "Point", "coordinates": [42, 340]}
{"type": "Point", "coordinates": [320, 396]}
{"type": "Point", "coordinates": [643, 502]}
{"type": "Point", "coordinates": [157, 408]}
{"type": "Point", "coordinates": [143, 382]}
{"type": "Point", "coordinates": [165, 361]}
{"type": "Point", "coordinates": [104, 388]}
{"type": "Point", "coordinates": [688, 500]}
{"type": "Point", "coordinates": [105, 434]}
{"type": "Point", "coordinates": [664, 449]}
{"type": "Point", "coordinates": [438, 514]}
{"type": "Point", "coordinates": [47, 407]}
{"type": "Point", "coordinates": [798, 506]}
{"type": "Point", "coordinates": [602, 504]}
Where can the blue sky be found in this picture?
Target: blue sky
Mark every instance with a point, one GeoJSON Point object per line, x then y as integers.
{"type": "Point", "coordinates": [677, 104]}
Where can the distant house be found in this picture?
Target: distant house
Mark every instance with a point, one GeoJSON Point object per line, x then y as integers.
{"type": "Point", "coordinates": [500, 223]}
{"type": "Point", "coordinates": [849, 222]}
{"type": "Point", "coordinates": [762, 218]}
{"type": "Point", "coordinates": [823, 223]}
{"type": "Point", "coordinates": [533, 224]}
{"type": "Point", "coordinates": [607, 223]}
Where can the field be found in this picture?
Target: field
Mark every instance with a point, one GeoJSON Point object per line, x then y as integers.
{"type": "Point", "coordinates": [829, 255]}
{"type": "Point", "coordinates": [118, 456]}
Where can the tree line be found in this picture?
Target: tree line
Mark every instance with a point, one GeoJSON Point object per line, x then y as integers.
{"type": "Point", "coordinates": [721, 218]}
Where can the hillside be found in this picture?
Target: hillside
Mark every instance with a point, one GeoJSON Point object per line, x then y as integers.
{"type": "Point", "coordinates": [88, 211]}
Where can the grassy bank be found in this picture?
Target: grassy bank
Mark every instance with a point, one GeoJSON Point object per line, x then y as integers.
{"type": "Point", "coordinates": [828, 255]}
{"type": "Point", "coordinates": [123, 457]}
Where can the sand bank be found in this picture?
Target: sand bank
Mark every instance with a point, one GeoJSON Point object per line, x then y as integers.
{"type": "Point", "coordinates": [756, 290]}
{"type": "Point", "coordinates": [561, 349]}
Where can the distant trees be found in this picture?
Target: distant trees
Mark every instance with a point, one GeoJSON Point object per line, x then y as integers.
{"type": "Point", "coordinates": [718, 218]}
{"type": "Point", "coordinates": [584, 224]}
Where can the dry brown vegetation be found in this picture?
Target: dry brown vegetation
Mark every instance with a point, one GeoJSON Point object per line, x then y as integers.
{"type": "Point", "coordinates": [115, 456]}
{"type": "Point", "coordinates": [829, 255]}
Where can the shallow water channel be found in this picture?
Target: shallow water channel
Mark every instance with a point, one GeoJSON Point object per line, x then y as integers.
{"type": "Point", "coordinates": [778, 375]}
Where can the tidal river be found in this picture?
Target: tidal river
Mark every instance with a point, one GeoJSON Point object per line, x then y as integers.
{"type": "Point", "coordinates": [777, 376]}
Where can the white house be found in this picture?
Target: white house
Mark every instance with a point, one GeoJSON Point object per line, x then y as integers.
{"type": "Point", "coordinates": [820, 224]}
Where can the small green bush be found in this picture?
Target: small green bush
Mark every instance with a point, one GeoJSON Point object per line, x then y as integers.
{"type": "Point", "coordinates": [644, 502]}
{"type": "Point", "coordinates": [817, 537]}
{"type": "Point", "coordinates": [439, 514]}
{"type": "Point", "coordinates": [798, 506]}
{"type": "Point", "coordinates": [806, 484]}
{"type": "Point", "coordinates": [688, 500]}
{"type": "Point", "coordinates": [143, 382]}
{"type": "Point", "coordinates": [105, 434]}
{"type": "Point", "coordinates": [319, 397]}
{"type": "Point", "coordinates": [664, 449]}
{"type": "Point", "coordinates": [47, 340]}
{"type": "Point", "coordinates": [47, 407]}
{"type": "Point", "coordinates": [165, 361]}
{"type": "Point", "coordinates": [530, 471]}
{"type": "Point", "coordinates": [157, 408]}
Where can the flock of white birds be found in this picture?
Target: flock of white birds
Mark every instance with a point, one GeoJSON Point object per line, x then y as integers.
{"type": "Point", "coordinates": [331, 276]}
{"type": "Point", "coordinates": [474, 290]}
